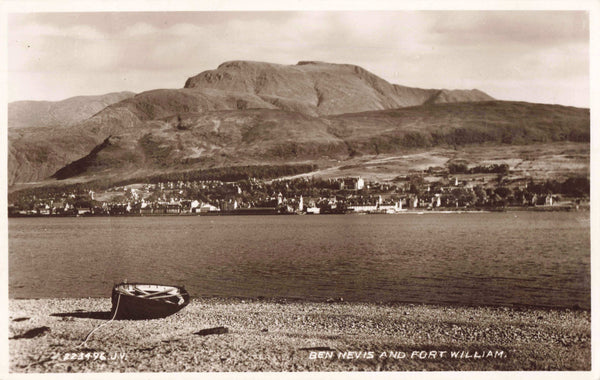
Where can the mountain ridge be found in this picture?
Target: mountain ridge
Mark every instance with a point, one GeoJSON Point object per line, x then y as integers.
{"type": "Point", "coordinates": [42, 113]}
{"type": "Point", "coordinates": [254, 112]}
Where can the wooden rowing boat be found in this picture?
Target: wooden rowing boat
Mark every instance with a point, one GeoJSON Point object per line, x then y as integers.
{"type": "Point", "coordinates": [147, 301]}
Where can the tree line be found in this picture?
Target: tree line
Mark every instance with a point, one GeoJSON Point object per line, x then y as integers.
{"type": "Point", "coordinates": [462, 168]}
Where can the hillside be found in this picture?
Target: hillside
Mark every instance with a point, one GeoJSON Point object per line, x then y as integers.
{"type": "Point", "coordinates": [240, 137]}
{"type": "Point", "coordinates": [24, 114]}
{"type": "Point", "coordinates": [496, 122]}
{"type": "Point", "coordinates": [254, 113]}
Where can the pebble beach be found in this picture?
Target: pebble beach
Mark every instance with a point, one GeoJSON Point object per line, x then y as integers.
{"type": "Point", "coordinates": [215, 335]}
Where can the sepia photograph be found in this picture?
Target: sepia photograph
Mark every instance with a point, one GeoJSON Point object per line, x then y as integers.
{"type": "Point", "coordinates": [226, 189]}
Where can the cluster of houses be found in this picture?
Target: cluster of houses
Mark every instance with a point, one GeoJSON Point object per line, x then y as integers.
{"type": "Point", "coordinates": [348, 195]}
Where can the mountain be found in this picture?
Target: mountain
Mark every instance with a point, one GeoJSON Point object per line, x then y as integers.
{"type": "Point", "coordinates": [252, 113]}
{"type": "Point", "coordinates": [28, 113]}
{"type": "Point", "coordinates": [319, 88]}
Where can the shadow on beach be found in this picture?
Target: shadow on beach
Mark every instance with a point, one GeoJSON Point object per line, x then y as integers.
{"type": "Point", "coordinates": [85, 314]}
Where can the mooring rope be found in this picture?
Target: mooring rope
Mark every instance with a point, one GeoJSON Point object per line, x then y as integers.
{"type": "Point", "coordinates": [105, 323]}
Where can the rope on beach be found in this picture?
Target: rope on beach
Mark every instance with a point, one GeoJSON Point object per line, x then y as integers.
{"type": "Point", "coordinates": [105, 323]}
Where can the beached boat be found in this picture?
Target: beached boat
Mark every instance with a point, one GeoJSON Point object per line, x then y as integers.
{"type": "Point", "coordinates": [147, 301]}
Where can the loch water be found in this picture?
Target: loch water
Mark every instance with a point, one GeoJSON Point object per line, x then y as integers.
{"type": "Point", "coordinates": [537, 259]}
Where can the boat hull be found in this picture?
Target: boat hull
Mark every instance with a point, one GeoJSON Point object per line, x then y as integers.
{"type": "Point", "coordinates": [147, 301]}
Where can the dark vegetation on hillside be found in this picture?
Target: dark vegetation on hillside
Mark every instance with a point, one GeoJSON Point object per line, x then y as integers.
{"type": "Point", "coordinates": [80, 166]}
{"type": "Point", "coordinates": [463, 168]}
{"type": "Point", "coordinates": [571, 187]}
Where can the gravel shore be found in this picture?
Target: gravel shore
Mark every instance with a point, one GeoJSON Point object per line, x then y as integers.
{"type": "Point", "coordinates": [45, 335]}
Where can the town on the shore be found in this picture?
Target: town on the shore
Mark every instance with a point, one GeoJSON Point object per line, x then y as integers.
{"type": "Point", "coordinates": [434, 189]}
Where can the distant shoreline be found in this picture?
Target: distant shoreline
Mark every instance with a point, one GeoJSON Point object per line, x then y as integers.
{"type": "Point", "coordinates": [274, 212]}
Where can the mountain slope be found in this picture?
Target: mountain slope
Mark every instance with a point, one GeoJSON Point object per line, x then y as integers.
{"type": "Point", "coordinates": [497, 122]}
{"type": "Point", "coordinates": [241, 137]}
{"type": "Point", "coordinates": [456, 96]}
{"type": "Point", "coordinates": [24, 114]}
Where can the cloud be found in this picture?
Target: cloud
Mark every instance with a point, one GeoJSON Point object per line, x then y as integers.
{"type": "Point", "coordinates": [29, 31]}
{"type": "Point", "coordinates": [44, 48]}
{"type": "Point", "coordinates": [66, 54]}
{"type": "Point", "coordinates": [429, 49]}
{"type": "Point", "coordinates": [139, 30]}
{"type": "Point", "coordinates": [184, 30]}
{"type": "Point", "coordinates": [532, 28]}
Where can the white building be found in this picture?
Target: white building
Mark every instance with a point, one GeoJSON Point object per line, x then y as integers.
{"type": "Point", "coordinates": [391, 209]}
{"type": "Point", "coordinates": [363, 208]}
{"type": "Point", "coordinates": [206, 207]}
{"type": "Point", "coordinates": [360, 184]}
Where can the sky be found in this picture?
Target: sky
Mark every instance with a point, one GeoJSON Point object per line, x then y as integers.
{"type": "Point", "coordinates": [533, 56]}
